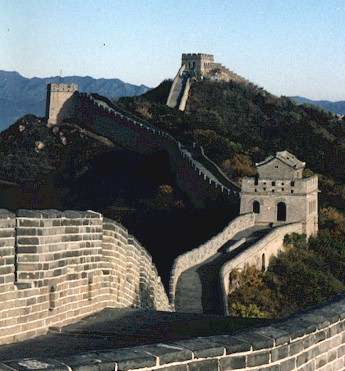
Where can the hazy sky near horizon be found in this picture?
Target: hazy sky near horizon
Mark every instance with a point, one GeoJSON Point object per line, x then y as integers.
{"type": "Point", "coordinates": [290, 47]}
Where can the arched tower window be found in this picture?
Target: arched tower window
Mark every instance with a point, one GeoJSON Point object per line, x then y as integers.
{"type": "Point", "coordinates": [256, 207]}
{"type": "Point", "coordinates": [281, 212]}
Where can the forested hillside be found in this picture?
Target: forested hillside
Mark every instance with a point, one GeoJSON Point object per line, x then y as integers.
{"type": "Point", "coordinates": [240, 124]}
{"type": "Point", "coordinates": [335, 107]}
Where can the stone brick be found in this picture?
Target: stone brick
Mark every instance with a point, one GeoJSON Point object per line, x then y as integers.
{"type": "Point", "coordinates": [296, 347]}
{"type": "Point", "coordinates": [167, 353]}
{"type": "Point", "coordinates": [288, 365]}
{"type": "Point", "coordinates": [321, 361]}
{"type": "Point", "coordinates": [230, 343]}
{"type": "Point", "coordinates": [232, 363]}
{"type": "Point", "coordinates": [202, 347]}
{"type": "Point", "coordinates": [129, 358]}
{"type": "Point", "coordinates": [278, 335]}
{"type": "Point", "coordinates": [308, 367]}
{"type": "Point", "coordinates": [304, 357]}
{"type": "Point", "coordinates": [279, 353]}
{"type": "Point", "coordinates": [35, 364]}
{"type": "Point", "coordinates": [258, 358]}
{"type": "Point", "coordinates": [341, 351]}
{"type": "Point", "coordinates": [175, 368]}
{"type": "Point", "coordinates": [256, 340]}
{"type": "Point", "coordinates": [332, 355]}
{"type": "Point", "coordinates": [204, 365]}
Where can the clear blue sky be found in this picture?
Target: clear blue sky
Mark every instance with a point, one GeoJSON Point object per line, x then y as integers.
{"type": "Point", "coordinates": [290, 47]}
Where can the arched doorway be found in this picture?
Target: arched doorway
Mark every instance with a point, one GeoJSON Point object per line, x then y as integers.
{"type": "Point", "coordinates": [263, 263]}
{"type": "Point", "coordinates": [256, 207]}
{"type": "Point", "coordinates": [281, 212]}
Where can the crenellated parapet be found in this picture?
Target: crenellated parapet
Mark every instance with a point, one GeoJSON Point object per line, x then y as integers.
{"type": "Point", "coordinates": [57, 267]}
{"type": "Point", "coordinates": [137, 135]}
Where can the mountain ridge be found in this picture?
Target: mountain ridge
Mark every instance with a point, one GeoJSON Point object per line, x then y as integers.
{"type": "Point", "coordinates": [337, 107]}
{"type": "Point", "coordinates": [20, 95]}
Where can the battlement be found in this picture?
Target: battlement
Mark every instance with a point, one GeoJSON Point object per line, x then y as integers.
{"type": "Point", "coordinates": [209, 57]}
{"type": "Point", "coordinates": [282, 186]}
{"type": "Point", "coordinates": [60, 87]}
{"type": "Point", "coordinates": [57, 267]}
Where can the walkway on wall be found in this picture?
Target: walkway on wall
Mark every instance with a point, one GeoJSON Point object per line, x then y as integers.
{"type": "Point", "coordinates": [211, 172]}
{"type": "Point", "coordinates": [178, 87]}
{"type": "Point", "coordinates": [198, 289]}
{"type": "Point", "coordinates": [114, 328]}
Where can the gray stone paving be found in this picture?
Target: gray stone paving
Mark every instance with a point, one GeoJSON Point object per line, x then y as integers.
{"type": "Point", "coordinates": [198, 288]}
{"type": "Point", "coordinates": [118, 328]}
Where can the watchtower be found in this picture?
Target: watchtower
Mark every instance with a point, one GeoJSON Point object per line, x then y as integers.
{"type": "Point", "coordinates": [60, 103]}
{"type": "Point", "coordinates": [197, 63]}
{"type": "Point", "coordinates": [279, 194]}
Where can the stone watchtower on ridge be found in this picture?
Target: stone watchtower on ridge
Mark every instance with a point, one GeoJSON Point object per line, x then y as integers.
{"type": "Point", "coordinates": [60, 102]}
{"type": "Point", "coordinates": [280, 194]}
{"type": "Point", "coordinates": [197, 63]}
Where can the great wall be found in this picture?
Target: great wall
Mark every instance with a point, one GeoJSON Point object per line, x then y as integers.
{"type": "Point", "coordinates": [59, 267]}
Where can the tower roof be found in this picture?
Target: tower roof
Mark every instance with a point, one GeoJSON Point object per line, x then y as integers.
{"type": "Point", "coordinates": [286, 157]}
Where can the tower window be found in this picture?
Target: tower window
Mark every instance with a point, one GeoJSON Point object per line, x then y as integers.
{"type": "Point", "coordinates": [52, 296]}
{"type": "Point", "coordinates": [263, 263]}
{"type": "Point", "coordinates": [273, 183]}
{"type": "Point", "coordinates": [292, 183]}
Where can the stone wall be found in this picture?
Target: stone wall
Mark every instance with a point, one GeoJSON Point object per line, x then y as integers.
{"type": "Point", "coordinates": [135, 282]}
{"type": "Point", "coordinates": [176, 89]}
{"type": "Point", "coordinates": [60, 102]}
{"type": "Point", "coordinates": [312, 340]}
{"type": "Point", "coordinates": [206, 250]}
{"type": "Point", "coordinates": [57, 267]}
{"type": "Point", "coordinates": [137, 135]}
{"type": "Point", "coordinates": [257, 255]}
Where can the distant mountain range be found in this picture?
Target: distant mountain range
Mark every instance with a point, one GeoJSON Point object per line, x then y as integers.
{"type": "Point", "coordinates": [20, 95]}
{"type": "Point", "coordinates": [335, 107]}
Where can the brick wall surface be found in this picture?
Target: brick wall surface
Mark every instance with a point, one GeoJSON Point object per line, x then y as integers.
{"type": "Point", "coordinates": [312, 340]}
{"type": "Point", "coordinates": [57, 267]}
